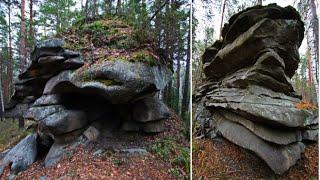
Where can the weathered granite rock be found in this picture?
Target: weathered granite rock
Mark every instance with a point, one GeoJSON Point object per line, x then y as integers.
{"type": "Point", "coordinates": [153, 126]}
{"type": "Point", "coordinates": [267, 133]}
{"type": "Point", "coordinates": [39, 113]}
{"type": "Point", "coordinates": [22, 155]}
{"type": "Point", "coordinates": [45, 100]}
{"type": "Point", "coordinates": [241, 22]}
{"type": "Point", "coordinates": [69, 95]}
{"type": "Point", "coordinates": [63, 122]}
{"type": "Point", "coordinates": [265, 34]}
{"type": "Point", "coordinates": [260, 105]}
{"type": "Point", "coordinates": [49, 60]}
{"type": "Point", "coordinates": [150, 109]}
{"type": "Point", "coordinates": [92, 134]}
{"type": "Point", "coordinates": [56, 152]}
{"type": "Point", "coordinates": [279, 158]}
{"type": "Point", "coordinates": [67, 98]}
{"type": "Point", "coordinates": [247, 96]}
{"type": "Point", "coordinates": [123, 80]}
{"type": "Point", "coordinates": [310, 135]}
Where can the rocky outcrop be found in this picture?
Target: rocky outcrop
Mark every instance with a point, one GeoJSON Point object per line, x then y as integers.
{"type": "Point", "coordinates": [247, 96]}
{"type": "Point", "coordinates": [68, 97]}
{"type": "Point", "coordinates": [22, 155]}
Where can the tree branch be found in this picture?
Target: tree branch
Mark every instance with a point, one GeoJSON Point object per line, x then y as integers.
{"type": "Point", "coordinates": [158, 10]}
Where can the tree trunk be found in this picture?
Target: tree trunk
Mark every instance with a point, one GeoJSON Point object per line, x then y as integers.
{"type": "Point", "coordinates": [110, 7]}
{"type": "Point", "coordinates": [180, 56]}
{"type": "Point", "coordinates": [58, 17]}
{"type": "Point", "coordinates": [259, 2]}
{"type": "Point", "coordinates": [158, 26]}
{"type": "Point", "coordinates": [21, 123]}
{"type": "Point", "coordinates": [31, 20]}
{"type": "Point", "coordinates": [10, 59]}
{"type": "Point", "coordinates": [118, 9]}
{"type": "Point", "coordinates": [1, 88]}
{"type": "Point", "coordinates": [313, 43]}
{"type": "Point", "coordinates": [31, 37]}
{"type": "Point", "coordinates": [95, 9]}
{"type": "Point", "coordinates": [158, 10]}
{"type": "Point", "coordinates": [86, 11]}
{"type": "Point", "coordinates": [309, 68]}
{"type": "Point", "coordinates": [23, 37]}
{"type": "Point", "coordinates": [222, 15]}
{"type": "Point", "coordinates": [178, 85]}
{"type": "Point", "coordinates": [186, 87]}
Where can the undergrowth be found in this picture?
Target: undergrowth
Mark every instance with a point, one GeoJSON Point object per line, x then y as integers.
{"type": "Point", "coordinates": [172, 152]}
{"type": "Point", "coordinates": [10, 133]}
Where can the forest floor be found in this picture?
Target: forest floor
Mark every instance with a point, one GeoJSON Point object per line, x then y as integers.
{"type": "Point", "coordinates": [221, 159]}
{"type": "Point", "coordinates": [167, 157]}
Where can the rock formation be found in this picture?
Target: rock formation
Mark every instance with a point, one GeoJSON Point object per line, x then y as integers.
{"type": "Point", "coordinates": [67, 96]}
{"type": "Point", "coordinates": [248, 96]}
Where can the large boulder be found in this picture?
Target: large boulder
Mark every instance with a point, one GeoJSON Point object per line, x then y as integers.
{"type": "Point", "coordinates": [63, 122]}
{"type": "Point", "coordinates": [92, 93]}
{"type": "Point", "coordinates": [150, 109]}
{"type": "Point", "coordinates": [242, 21]}
{"type": "Point", "coordinates": [247, 96]}
{"type": "Point", "coordinates": [117, 81]}
{"type": "Point", "coordinates": [265, 34]}
{"type": "Point", "coordinates": [279, 158]}
{"type": "Point", "coordinates": [22, 155]}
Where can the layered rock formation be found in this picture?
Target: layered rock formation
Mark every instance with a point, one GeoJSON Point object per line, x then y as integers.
{"type": "Point", "coordinates": [67, 97]}
{"type": "Point", "coordinates": [248, 96]}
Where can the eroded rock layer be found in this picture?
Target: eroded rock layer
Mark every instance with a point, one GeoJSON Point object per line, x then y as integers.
{"type": "Point", "coordinates": [67, 97]}
{"type": "Point", "coordinates": [248, 96]}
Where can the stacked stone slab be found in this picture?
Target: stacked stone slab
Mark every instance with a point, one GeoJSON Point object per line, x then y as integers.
{"type": "Point", "coordinates": [65, 97]}
{"type": "Point", "coordinates": [248, 96]}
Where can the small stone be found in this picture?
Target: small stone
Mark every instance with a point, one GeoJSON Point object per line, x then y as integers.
{"type": "Point", "coordinates": [92, 134]}
{"type": "Point", "coordinates": [134, 151]}
{"type": "Point", "coordinates": [98, 152]}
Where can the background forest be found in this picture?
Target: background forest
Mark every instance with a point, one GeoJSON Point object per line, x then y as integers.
{"type": "Point", "coordinates": [23, 23]}
{"type": "Point", "coordinates": [210, 15]}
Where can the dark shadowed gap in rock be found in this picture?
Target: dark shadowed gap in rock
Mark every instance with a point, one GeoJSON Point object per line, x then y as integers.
{"type": "Point", "coordinates": [44, 143]}
{"type": "Point", "coordinates": [99, 112]}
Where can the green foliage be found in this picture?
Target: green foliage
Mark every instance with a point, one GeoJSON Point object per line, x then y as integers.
{"type": "Point", "coordinates": [59, 13]}
{"type": "Point", "coordinates": [184, 158]}
{"type": "Point", "coordinates": [162, 148]}
{"type": "Point", "coordinates": [117, 162]}
{"type": "Point", "coordinates": [3, 28]}
{"type": "Point", "coordinates": [174, 172]}
{"type": "Point", "coordinates": [142, 56]}
{"type": "Point", "coordinates": [95, 26]}
{"type": "Point", "coordinates": [168, 148]}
